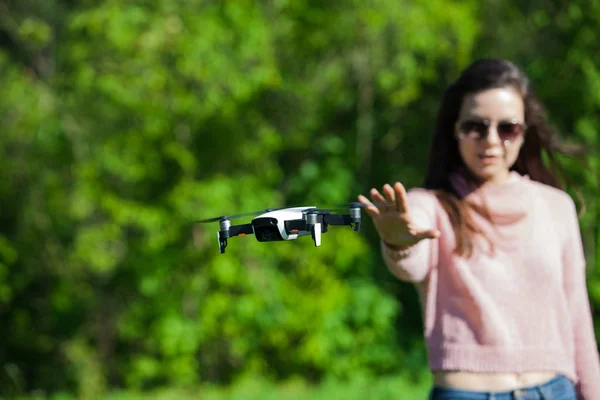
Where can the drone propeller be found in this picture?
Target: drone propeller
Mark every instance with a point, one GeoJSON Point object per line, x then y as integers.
{"type": "Point", "coordinates": [327, 208]}
{"type": "Point", "coordinates": [222, 217]}
{"type": "Point", "coordinates": [345, 206]}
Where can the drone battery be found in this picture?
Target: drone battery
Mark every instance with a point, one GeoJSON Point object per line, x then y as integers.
{"type": "Point", "coordinates": [266, 229]}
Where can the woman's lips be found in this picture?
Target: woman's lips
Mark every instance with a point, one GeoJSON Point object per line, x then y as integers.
{"type": "Point", "coordinates": [487, 159]}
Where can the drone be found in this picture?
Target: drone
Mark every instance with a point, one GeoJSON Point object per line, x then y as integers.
{"type": "Point", "coordinates": [272, 225]}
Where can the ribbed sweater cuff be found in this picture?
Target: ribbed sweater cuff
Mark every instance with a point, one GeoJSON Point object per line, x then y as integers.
{"type": "Point", "coordinates": [396, 254]}
{"type": "Point", "coordinates": [500, 359]}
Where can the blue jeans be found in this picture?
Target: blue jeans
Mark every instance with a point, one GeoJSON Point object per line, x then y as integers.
{"type": "Point", "coordinates": [558, 388]}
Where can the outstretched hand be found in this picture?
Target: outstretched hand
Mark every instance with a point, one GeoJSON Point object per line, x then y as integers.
{"type": "Point", "coordinates": [392, 218]}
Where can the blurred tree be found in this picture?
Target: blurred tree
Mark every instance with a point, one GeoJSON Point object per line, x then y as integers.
{"type": "Point", "coordinates": [125, 122]}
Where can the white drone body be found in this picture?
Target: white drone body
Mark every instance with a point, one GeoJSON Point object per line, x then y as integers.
{"type": "Point", "coordinates": [287, 224]}
{"type": "Point", "coordinates": [281, 216]}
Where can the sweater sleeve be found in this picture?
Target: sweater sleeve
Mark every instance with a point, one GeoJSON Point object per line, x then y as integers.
{"type": "Point", "coordinates": [587, 362]}
{"type": "Point", "coordinates": [414, 263]}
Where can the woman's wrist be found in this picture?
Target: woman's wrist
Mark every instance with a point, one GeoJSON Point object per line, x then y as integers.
{"type": "Point", "coordinates": [396, 247]}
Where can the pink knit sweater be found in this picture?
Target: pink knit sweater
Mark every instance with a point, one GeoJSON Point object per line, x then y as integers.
{"type": "Point", "coordinates": [521, 306]}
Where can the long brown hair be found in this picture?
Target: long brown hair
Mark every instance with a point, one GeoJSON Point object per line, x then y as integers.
{"type": "Point", "coordinates": [541, 141]}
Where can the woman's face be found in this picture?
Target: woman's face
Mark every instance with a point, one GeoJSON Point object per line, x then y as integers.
{"type": "Point", "coordinates": [490, 131]}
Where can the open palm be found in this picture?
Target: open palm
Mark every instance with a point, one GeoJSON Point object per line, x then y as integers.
{"type": "Point", "coordinates": [392, 219]}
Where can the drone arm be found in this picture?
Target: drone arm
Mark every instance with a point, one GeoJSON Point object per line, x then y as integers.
{"type": "Point", "coordinates": [336, 219]}
{"type": "Point", "coordinates": [240, 230]}
{"type": "Point", "coordinates": [342, 219]}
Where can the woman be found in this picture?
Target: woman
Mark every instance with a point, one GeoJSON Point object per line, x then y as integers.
{"type": "Point", "coordinates": [494, 249]}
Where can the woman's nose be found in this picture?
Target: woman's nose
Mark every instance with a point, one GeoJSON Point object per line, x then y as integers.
{"type": "Point", "coordinates": [493, 137]}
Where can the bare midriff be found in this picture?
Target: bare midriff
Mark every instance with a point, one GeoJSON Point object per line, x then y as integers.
{"type": "Point", "coordinates": [490, 382]}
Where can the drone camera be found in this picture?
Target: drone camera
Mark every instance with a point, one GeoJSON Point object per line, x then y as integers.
{"type": "Point", "coordinates": [266, 229]}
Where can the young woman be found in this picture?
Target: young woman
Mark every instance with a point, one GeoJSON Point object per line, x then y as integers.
{"type": "Point", "coordinates": [494, 249]}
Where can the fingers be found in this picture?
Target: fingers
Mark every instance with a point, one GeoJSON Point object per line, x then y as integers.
{"type": "Point", "coordinates": [370, 208]}
{"type": "Point", "coordinates": [392, 199]}
{"type": "Point", "coordinates": [401, 198]}
{"type": "Point", "coordinates": [389, 193]}
{"type": "Point", "coordinates": [379, 200]}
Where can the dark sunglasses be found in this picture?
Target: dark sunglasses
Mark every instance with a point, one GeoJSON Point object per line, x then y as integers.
{"type": "Point", "coordinates": [480, 129]}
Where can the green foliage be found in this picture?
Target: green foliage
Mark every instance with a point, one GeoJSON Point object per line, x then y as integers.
{"type": "Point", "coordinates": [126, 121]}
{"type": "Point", "coordinates": [257, 388]}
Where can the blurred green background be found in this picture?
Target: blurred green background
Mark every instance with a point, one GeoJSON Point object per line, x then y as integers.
{"type": "Point", "coordinates": [125, 121]}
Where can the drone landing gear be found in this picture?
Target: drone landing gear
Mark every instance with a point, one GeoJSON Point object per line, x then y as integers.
{"type": "Point", "coordinates": [317, 222]}
{"type": "Point", "coordinates": [316, 234]}
{"type": "Point", "coordinates": [228, 231]}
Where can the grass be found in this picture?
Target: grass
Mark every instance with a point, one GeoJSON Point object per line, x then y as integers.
{"type": "Point", "coordinates": [391, 387]}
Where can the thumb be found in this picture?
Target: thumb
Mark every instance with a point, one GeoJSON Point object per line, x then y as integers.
{"type": "Point", "coordinates": [428, 234]}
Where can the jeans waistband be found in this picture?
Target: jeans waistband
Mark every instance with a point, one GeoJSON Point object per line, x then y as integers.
{"type": "Point", "coordinates": [558, 388]}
